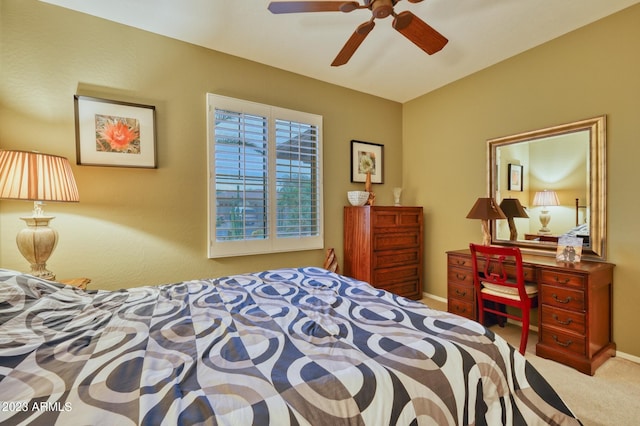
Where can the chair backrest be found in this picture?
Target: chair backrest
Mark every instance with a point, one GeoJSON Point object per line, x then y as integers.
{"type": "Point", "coordinates": [492, 264]}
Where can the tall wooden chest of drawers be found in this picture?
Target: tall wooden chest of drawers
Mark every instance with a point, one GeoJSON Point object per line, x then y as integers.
{"type": "Point", "coordinates": [574, 302]}
{"type": "Point", "coordinates": [383, 246]}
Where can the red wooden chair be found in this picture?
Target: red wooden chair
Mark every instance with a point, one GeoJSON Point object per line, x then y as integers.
{"type": "Point", "coordinates": [493, 284]}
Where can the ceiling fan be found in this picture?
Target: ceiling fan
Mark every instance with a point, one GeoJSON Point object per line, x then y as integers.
{"type": "Point", "coordinates": [406, 23]}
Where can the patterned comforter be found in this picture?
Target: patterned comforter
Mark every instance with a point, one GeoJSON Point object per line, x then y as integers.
{"type": "Point", "coordinates": [289, 346]}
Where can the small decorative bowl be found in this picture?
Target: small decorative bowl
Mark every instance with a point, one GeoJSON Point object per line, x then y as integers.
{"type": "Point", "coordinates": [357, 198]}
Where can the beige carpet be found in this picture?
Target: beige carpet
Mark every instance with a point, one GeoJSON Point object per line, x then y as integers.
{"type": "Point", "coordinates": [610, 397]}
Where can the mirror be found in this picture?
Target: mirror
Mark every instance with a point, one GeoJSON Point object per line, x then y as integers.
{"type": "Point", "coordinates": [567, 160]}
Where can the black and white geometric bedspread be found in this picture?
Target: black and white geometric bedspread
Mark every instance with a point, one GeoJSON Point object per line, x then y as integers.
{"type": "Point", "coordinates": [290, 346]}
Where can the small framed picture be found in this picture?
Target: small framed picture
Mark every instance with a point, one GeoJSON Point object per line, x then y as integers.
{"type": "Point", "coordinates": [366, 158]}
{"type": "Point", "coordinates": [515, 177]}
{"type": "Point", "coordinates": [113, 133]}
{"type": "Point", "coordinates": [569, 249]}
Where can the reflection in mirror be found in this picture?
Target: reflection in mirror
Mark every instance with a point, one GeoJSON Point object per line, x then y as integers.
{"type": "Point", "coordinates": [557, 175]}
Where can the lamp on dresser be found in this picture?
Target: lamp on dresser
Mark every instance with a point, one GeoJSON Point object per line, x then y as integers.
{"type": "Point", "coordinates": [486, 209]}
{"type": "Point", "coordinates": [545, 199]}
{"type": "Point", "coordinates": [36, 177]}
{"type": "Point", "coordinates": [511, 207]}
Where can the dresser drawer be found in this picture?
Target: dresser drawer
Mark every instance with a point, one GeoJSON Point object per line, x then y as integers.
{"type": "Point", "coordinates": [561, 297]}
{"type": "Point", "coordinates": [386, 259]}
{"type": "Point", "coordinates": [460, 276]}
{"type": "Point", "coordinates": [410, 289]}
{"type": "Point", "coordinates": [561, 279]}
{"type": "Point", "coordinates": [563, 319]}
{"type": "Point", "coordinates": [396, 240]}
{"type": "Point", "coordinates": [394, 217]}
{"type": "Point", "coordinates": [459, 262]}
{"type": "Point", "coordinates": [386, 276]}
{"type": "Point", "coordinates": [462, 308]}
{"type": "Point", "coordinates": [463, 292]}
{"type": "Point", "coordinates": [563, 341]}
{"type": "Point", "coordinates": [529, 272]}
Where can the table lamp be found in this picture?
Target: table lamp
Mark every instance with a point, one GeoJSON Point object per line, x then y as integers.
{"type": "Point", "coordinates": [511, 207]}
{"type": "Point", "coordinates": [37, 177]}
{"type": "Point", "coordinates": [545, 199]}
{"type": "Point", "coordinates": [486, 209]}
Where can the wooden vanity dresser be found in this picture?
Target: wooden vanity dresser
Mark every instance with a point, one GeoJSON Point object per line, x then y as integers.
{"type": "Point", "coordinates": [574, 309]}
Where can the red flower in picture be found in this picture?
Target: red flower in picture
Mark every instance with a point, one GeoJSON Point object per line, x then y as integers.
{"type": "Point", "coordinates": [117, 134]}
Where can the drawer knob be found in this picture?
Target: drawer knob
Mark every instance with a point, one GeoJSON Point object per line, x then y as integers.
{"type": "Point", "coordinates": [563, 344]}
{"type": "Point", "coordinates": [565, 281]}
{"type": "Point", "coordinates": [461, 310]}
{"type": "Point", "coordinates": [565, 301]}
{"type": "Point", "coordinates": [461, 277]}
{"type": "Point", "coordinates": [461, 293]}
{"type": "Point", "coordinates": [460, 262]}
{"type": "Point", "coordinates": [567, 322]}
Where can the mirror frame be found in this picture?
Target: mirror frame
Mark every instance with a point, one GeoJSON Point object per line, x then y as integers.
{"type": "Point", "coordinates": [597, 183]}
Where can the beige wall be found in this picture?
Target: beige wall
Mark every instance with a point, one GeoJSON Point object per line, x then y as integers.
{"type": "Point", "coordinates": [139, 226]}
{"type": "Point", "coordinates": [589, 72]}
{"type": "Point", "coordinates": [136, 227]}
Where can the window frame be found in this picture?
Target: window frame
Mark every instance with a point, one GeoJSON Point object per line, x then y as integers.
{"type": "Point", "coordinates": [272, 243]}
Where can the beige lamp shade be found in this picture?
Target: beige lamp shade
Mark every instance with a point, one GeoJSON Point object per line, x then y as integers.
{"type": "Point", "coordinates": [546, 198]}
{"type": "Point", "coordinates": [486, 209]}
{"type": "Point", "coordinates": [37, 177]}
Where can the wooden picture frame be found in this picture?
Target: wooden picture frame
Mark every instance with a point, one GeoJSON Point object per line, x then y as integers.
{"type": "Point", "coordinates": [515, 180]}
{"type": "Point", "coordinates": [114, 133]}
{"type": "Point", "coordinates": [367, 156]}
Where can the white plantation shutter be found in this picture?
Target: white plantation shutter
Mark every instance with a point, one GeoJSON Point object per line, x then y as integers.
{"type": "Point", "coordinates": [296, 172]}
{"type": "Point", "coordinates": [241, 177]}
{"type": "Point", "coordinates": [265, 184]}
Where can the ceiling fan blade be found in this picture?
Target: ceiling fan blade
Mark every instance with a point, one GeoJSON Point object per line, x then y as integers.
{"type": "Point", "coordinates": [419, 32]}
{"type": "Point", "coordinates": [353, 43]}
{"type": "Point", "coordinates": [312, 6]}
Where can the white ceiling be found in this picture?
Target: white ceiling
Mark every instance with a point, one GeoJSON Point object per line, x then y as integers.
{"type": "Point", "coordinates": [480, 33]}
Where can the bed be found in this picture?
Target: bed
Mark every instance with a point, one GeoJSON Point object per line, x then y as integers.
{"type": "Point", "coordinates": [286, 346]}
{"type": "Point", "coordinates": [580, 231]}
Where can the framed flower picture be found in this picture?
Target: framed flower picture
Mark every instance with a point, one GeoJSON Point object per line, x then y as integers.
{"type": "Point", "coordinates": [113, 133]}
{"type": "Point", "coordinates": [366, 158]}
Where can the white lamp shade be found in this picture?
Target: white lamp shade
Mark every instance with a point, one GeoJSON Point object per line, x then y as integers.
{"type": "Point", "coordinates": [36, 176]}
{"type": "Point", "coordinates": [546, 198]}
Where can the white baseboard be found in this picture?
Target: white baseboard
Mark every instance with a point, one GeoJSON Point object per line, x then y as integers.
{"type": "Point", "coordinates": [433, 296]}
{"type": "Point", "coordinates": [623, 355]}
{"type": "Point", "coordinates": [628, 357]}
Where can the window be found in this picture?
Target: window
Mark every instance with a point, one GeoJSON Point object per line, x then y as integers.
{"type": "Point", "coordinates": [265, 182]}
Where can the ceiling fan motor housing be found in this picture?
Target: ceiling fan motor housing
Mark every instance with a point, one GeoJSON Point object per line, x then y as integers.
{"type": "Point", "coordinates": [381, 8]}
